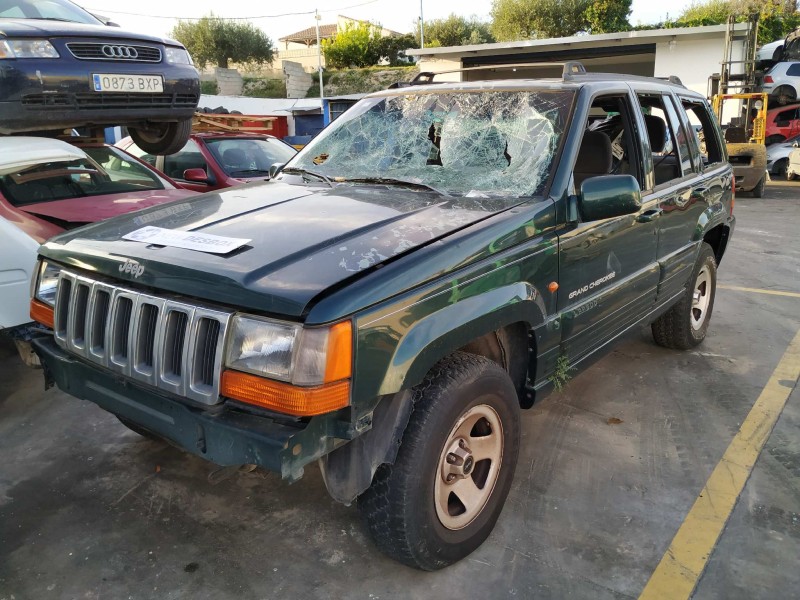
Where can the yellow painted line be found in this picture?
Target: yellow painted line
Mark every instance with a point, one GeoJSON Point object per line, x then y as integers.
{"type": "Point", "coordinates": [681, 566]}
{"type": "Point", "coordinates": [736, 288]}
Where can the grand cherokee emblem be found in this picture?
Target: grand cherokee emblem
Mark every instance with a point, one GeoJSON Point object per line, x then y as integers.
{"type": "Point", "coordinates": [119, 51]}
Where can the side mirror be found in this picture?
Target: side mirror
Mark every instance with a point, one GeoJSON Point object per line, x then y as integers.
{"type": "Point", "coordinates": [796, 145]}
{"type": "Point", "coordinates": [607, 196]}
{"type": "Point", "coordinates": [275, 169]}
{"type": "Point", "coordinates": [195, 175]}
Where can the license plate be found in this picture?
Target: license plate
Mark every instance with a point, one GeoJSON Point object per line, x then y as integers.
{"type": "Point", "coordinates": [110, 82]}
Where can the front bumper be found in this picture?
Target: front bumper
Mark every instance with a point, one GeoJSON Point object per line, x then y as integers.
{"type": "Point", "coordinates": [220, 434]}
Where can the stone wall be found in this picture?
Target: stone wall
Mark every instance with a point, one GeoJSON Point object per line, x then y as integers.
{"type": "Point", "coordinates": [229, 81]}
{"type": "Point", "coordinates": [297, 80]}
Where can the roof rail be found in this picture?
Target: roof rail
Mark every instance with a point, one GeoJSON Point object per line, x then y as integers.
{"type": "Point", "coordinates": [569, 69]}
{"type": "Point", "coordinates": [672, 79]}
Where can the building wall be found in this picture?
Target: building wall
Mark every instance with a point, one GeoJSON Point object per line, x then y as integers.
{"type": "Point", "coordinates": [694, 61]}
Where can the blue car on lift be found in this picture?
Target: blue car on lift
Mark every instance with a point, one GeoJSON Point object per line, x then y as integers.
{"type": "Point", "coordinates": [61, 67]}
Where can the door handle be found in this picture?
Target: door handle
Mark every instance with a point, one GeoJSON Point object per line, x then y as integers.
{"type": "Point", "coordinates": [649, 215]}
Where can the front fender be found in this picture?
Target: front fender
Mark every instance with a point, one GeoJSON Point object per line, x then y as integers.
{"type": "Point", "coordinates": [444, 331]}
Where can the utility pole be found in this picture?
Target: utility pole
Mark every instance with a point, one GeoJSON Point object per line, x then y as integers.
{"type": "Point", "coordinates": [319, 57]}
{"type": "Point", "coordinates": [421, 27]}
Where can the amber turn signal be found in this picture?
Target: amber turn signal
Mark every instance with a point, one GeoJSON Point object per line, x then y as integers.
{"type": "Point", "coordinates": [283, 397]}
{"type": "Point", "coordinates": [42, 313]}
{"type": "Point", "coordinates": [339, 364]}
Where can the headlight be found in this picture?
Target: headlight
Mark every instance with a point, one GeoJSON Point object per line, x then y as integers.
{"type": "Point", "coordinates": [178, 56]}
{"type": "Point", "coordinates": [46, 279]}
{"type": "Point", "coordinates": [290, 352]}
{"type": "Point", "coordinates": [27, 49]}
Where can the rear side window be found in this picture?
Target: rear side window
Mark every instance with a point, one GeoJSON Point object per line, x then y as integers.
{"type": "Point", "coordinates": [705, 133]}
{"type": "Point", "coordinates": [793, 70]}
{"type": "Point", "coordinates": [668, 142]}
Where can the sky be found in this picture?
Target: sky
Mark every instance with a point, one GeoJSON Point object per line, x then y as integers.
{"type": "Point", "coordinates": [400, 16]}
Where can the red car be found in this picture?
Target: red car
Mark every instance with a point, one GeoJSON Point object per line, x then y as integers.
{"type": "Point", "coordinates": [47, 186]}
{"type": "Point", "coordinates": [210, 161]}
{"type": "Point", "coordinates": [783, 123]}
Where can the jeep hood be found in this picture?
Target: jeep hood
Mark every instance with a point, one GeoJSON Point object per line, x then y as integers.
{"type": "Point", "coordinates": [303, 240]}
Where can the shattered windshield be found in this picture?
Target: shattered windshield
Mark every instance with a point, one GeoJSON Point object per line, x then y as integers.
{"type": "Point", "coordinates": [477, 143]}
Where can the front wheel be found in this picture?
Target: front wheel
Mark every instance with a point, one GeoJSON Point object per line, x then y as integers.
{"type": "Point", "coordinates": [758, 191]}
{"type": "Point", "coordinates": [162, 138]}
{"type": "Point", "coordinates": [441, 498]}
{"type": "Point", "coordinates": [685, 325]}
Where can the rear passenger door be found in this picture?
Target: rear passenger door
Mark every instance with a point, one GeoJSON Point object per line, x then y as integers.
{"type": "Point", "coordinates": [678, 186]}
{"type": "Point", "coordinates": [607, 268]}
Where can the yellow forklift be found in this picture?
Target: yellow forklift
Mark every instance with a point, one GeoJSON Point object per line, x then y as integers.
{"type": "Point", "coordinates": [744, 138]}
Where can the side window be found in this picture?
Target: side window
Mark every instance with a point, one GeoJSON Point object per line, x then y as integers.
{"type": "Point", "coordinates": [688, 152]}
{"type": "Point", "coordinates": [610, 142]}
{"type": "Point", "coordinates": [785, 116]}
{"type": "Point", "coordinates": [671, 159]}
{"type": "Point", "coordinates": [188, 157]}
{"type": "Point", "coordinates": [706, 134]}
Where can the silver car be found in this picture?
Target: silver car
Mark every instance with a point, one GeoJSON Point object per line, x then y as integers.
{"type": "Point", "coordinates": [778, 155]}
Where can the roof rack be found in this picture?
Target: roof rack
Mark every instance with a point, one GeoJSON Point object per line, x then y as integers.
{"type": "Point", "coordinates": [569, 69]}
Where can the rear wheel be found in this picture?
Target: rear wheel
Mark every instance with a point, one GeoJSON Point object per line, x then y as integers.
{"type": "Point", "coordinates": [162, 138]}
{"type": "Point", "coordinates": [441, 498]}
{"type": "Point", "coordinates": [780, 167]}
{"type": "Point", "coordinates": [685, 325]}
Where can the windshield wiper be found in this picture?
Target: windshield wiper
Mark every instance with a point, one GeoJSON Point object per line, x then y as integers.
{"type": "Point", "coordinates": [393, 181]}
{"type": "Point", "coordinates": [319, 176]}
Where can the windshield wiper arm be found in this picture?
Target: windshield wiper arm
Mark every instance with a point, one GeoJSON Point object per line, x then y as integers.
{"type": "Point", "coordinates": [53, 19]}
{"type": "Point", "coordinates": [319, 176]}
{"type": "Point", "coordinates": [393, 181]}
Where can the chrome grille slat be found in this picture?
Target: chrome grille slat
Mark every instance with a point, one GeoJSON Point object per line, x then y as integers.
{"type": "Point", "coordinates": [171, 345]}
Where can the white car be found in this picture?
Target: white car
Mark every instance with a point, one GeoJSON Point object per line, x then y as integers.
{"type": "Point", "coordinates": [778, 155]}
{"type": "Point", "coordinates": [793, 168]}
{"type": "Point", "coordinates": [782, 82]}
{"type": "Point", "coordinates": [17, 263]}
{"type": "Point", "coordinates": [770, 53]}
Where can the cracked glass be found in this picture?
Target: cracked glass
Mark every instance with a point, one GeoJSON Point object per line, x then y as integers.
{"type": "Point", "coordinates": [479, 143]}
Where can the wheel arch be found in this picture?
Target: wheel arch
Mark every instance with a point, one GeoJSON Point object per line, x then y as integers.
{"type": "Point", "coordinates": [717, 237]}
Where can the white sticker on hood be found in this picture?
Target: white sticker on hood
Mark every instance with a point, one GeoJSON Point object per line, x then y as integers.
{"type": "Point", "coordinates": [202, 242]}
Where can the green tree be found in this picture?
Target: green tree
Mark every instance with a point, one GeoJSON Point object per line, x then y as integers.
{"type": "Point", "coordinates": [456, 31]}
{"type": "Point", "coordinates": [526, 19]}
{"type": "Point", "coordinates": [220, 42]}
{"type": "Point", "coordinates": [393, 48]}
{"type": "Point", "coordinates": [358, 45]}
{"type": "Point", "coordinates": [776, 17]}
{"type": "Point", "coordinates": [608, 16]}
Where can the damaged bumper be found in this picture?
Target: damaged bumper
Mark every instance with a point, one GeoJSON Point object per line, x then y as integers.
{"type": "Point", "coordinates": [222, 434]}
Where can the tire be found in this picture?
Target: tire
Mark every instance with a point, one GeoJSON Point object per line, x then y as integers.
{"type": "Point", "coordinates": [790, 175]}
{"type": "Point", "coordinates": [413, 509]}
{"type": "Point", "coordinates": [140, 430]}
{"type": "Point", "coordinates": [162, 138]}
{"type": "Point", "coordinates": [781, 167]}
{"type": "Point", "coordinates": [685, 325]}
{"type": "Point", "coordinates": [758, 191]}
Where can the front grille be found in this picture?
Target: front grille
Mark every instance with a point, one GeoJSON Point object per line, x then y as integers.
{"type": "Point", "coordinates": [168, 344]}
{"type": "Point", "coordinates": [114, 51]}
{"type": "Point", "coordinates": [108, 101]}
{"type": "Point", "coordinates": [114, 101]}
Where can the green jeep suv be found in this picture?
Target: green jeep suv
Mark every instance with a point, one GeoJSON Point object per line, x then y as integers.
{"type": "Point", "coordinates": [416, 276]}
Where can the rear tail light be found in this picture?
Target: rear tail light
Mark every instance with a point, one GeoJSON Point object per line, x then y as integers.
{"type": "Point", "coordinates": [768, 79]}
